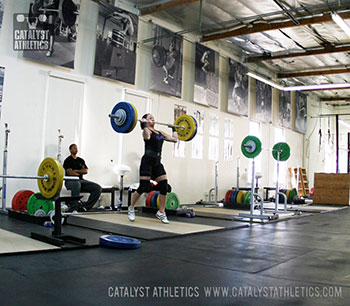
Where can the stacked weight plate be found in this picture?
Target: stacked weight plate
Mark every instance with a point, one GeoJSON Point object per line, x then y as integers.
{"type": "Point", "coordinates": [20, 199]}
{"type": "Point", "coordinates": [291, 194]}
{"type": "Point", "coordinates": [239, 199]}
{"type": "Point", "coordinates": [172, 200]}
{"type": "Point", "coordinates": [39, 206]}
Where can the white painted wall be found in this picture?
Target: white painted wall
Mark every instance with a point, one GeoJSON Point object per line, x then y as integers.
{"type": "Point", "coordinates": [25, 108]}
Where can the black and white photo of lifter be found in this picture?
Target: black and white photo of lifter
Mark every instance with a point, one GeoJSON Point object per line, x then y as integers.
{"type": "Point", "coordinates": [166, 64]}
{"type": "Point", "coordinates": [285, 109]}
{"type": "Point", "coordinates": [206, 85]}
{"type": "Point", "coordinates": [263, 102]}
{"type": "Point", "coordinates": [300, 112]}
{"type": "Point", "coordinates": [237, 88]}
{"type": "Point", "coordinates": [2, 6]}
{"type": "Point", "coordinates": [60, 18]}
{"type": "Point", "coordinates": [116, 43]}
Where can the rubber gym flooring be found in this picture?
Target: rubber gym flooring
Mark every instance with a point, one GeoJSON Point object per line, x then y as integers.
{"type": "Point", "coordinates": [300, 261]}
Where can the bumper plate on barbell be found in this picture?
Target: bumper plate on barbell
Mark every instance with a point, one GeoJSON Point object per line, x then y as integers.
{"type": "Point", "coordinates": [127, 117]}
{"type": "Point", "coordinates": [189, 125]}
{"type": "Point", "coordinates": [52, 187]}
{"type": "Point", "coordinates": [251, 146]}
{"type": "Point", "coordinates": [284, 150]}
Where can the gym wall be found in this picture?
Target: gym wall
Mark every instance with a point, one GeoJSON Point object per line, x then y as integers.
{"type": "Point", "coordinates": [32, 108]}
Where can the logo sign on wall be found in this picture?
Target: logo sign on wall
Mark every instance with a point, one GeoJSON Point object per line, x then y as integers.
{"type": "Point", "coordinates": [116, 43]}
{"type": "Point", "coordinates": [27, 37]}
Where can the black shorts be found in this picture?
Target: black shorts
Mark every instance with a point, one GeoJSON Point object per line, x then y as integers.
{"type": "Point", "coordinates": [151, 166]}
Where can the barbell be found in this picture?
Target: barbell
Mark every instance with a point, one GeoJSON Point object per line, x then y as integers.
{"type": "Point", "coordinates": [50, 177]}
{"type": "Point", "coordinates": [251, 147]}
{"type": "Point", "coordinates": [124, 118]}
{"type": "Point", "coordinates": [67, 11]}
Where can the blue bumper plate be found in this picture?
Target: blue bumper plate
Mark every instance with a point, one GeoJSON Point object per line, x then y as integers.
{"type": "Point", "coordinates": [119, 242]}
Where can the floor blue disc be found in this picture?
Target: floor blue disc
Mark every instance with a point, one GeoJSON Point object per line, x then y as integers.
{"type": "Point", "coordinates": [119, 242]}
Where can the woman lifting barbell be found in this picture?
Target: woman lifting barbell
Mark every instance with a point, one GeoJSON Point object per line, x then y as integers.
{"type": "Point", "coordinates": [151, 166]}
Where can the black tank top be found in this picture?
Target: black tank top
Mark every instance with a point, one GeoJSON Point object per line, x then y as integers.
{"type": "Point", "coordinates": [153, 146]}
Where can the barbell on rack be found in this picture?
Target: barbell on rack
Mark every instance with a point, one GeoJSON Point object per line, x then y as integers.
{"type": "Point", "coordinates": [251, 147]}
{"type": "Point", "coordinates": [124, 118]}
{"type": "Point", "coordinates": [50, 177]}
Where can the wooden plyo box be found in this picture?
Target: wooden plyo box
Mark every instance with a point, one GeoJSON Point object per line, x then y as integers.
{"type": "Point", "coordinates": [332, 188]}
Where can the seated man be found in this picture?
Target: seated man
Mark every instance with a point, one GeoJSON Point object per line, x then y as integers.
{"type": "Point", "coordinates": [75, 166]}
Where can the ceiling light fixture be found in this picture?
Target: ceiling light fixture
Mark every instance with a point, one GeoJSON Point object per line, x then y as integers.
{"type": "Point", "coordinates": [264, 80]}
{"type": "Point", "coordinates": [341, 23]}
{"type": "Point", "coordinates": [298, 88]}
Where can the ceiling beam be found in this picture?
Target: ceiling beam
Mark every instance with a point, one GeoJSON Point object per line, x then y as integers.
{"type": "Point", "coordinates": [311, 73]}
{"type": "Point", "coordinates": [257, 28]}
{"type": "Point", "coordinates": [164, 6]}
{"type": "Point", "coordinates": [340, 99]}
{"type": "Point", "coordinates": [325, 50]}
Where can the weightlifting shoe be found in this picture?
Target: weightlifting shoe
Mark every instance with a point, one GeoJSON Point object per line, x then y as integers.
{"type": "Point", "coordinates": [131, 214]}
{"type": "Point", "coordinates": [162, 217]}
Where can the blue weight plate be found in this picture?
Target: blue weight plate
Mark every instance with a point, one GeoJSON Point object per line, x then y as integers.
{"type": "Point", "coordinates": [129, 120]}
{"type": "Point", "coordinates": [154, 199]}
{"type": "Point", "coordinates": [234, 196]}
{"type": "Point", "coordinates": [119, 242]}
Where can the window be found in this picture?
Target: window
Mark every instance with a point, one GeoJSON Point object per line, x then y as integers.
{"type": "Point", "coordinates": [214, 137]}
{"type": "Point", "coordinates": [228, 140]}
{"type": "Point", "coordinates": [197, 142]}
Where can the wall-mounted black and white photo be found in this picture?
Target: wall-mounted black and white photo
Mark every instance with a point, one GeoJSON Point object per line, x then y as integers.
{"type": "Point", "coordinates": [206, 81]}
{"type": "Point", "coordinates": [2, 76]}
{"type": "Point", "coordinates": [59, 19]}
{"type": "Point", "coordinates": [166, 64]}
{"type": "Point", "coordinates": [300, 112]}
{"type": "Point", "coordinates": [263, 102]}
{"type": "Point", "coordinates": [237, 88]}
{"type": "Point", "coordinates": [285, 109]}
{"type": "Point", "coordinates": [2, 6]}
{"type": "Point", "coordinates": [116, 44]}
